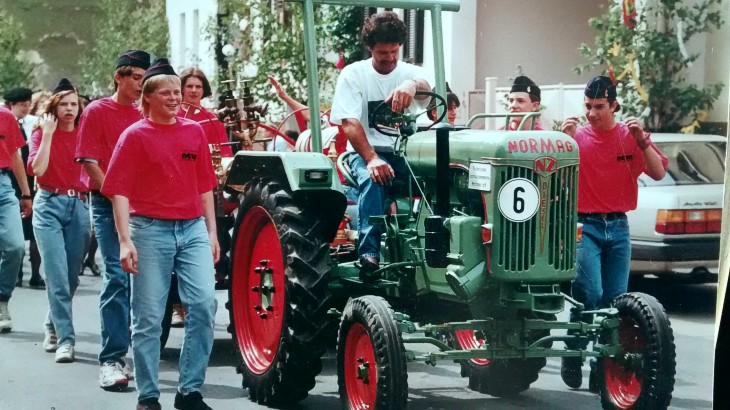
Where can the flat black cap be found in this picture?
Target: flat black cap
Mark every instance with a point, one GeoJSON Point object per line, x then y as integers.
{"type": "Point", "coordinates": [600, 87]}
{"type": "Point", "coordinates": [64, 84]}
{"type": "Point", "coordinates": [161, 66]}
{"type": "Point", "coordinates": [523, 84]}
{"type": "Point", "coordinates": [134, 58]}
{"type": "Point", "coordinates": [17, 95]}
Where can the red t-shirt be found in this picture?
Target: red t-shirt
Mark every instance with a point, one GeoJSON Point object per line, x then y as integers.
{"type": "Point", "coordinates": [63, 170]}
{"type": "Point", "coordinates": [100, 126]}
{"type": "Point", "coordinates": [162, 169]}
{"type": "Point", "coordinates": [610, 163]}
{"type": "Point", "coordinates": [212, 126]}
{"type": "Point", "coordinates": [10, 138]}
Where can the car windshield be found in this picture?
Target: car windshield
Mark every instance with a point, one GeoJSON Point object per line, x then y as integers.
{"type": "Point", "coordinates": [691, 163]}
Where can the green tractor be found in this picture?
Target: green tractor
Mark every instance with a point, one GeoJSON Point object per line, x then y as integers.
{"type": "Point", "coordinates": [474, 254]}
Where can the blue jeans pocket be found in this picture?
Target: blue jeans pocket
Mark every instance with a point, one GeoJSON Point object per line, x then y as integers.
{"type": "Point", "coordinates": [141, 222]}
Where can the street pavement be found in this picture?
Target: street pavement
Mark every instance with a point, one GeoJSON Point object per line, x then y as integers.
{"type": "Point", "coordinates": [30, 379]}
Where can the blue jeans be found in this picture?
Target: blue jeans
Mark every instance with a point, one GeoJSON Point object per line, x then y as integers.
{"type": "Point", "coordinates": [163, 247]}
{"type": "Point", "coordinates": [114, 298]}
{"type": "Point", "coordinates": [603, 261]}
{"type": "Point", "coordinates": [12, 244]}
{"type": "Point", "coordinates": [371, 201]}
{"type": "Point", "coordinates": [62, 229]}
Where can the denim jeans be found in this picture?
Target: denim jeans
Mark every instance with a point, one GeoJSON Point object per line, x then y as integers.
{"type": "Point", "coordinates": [62, 229]}
{"type": "Point", "coordinates": [371, 200]}
{"type": "Point", "coordinates": [603, 261]}
{"type": "Point", "coordinates": [163, 247]}
{"type": "Point", "coordinates": [114, 298]}
{"type": "Point", "coordinates": [12, 244]}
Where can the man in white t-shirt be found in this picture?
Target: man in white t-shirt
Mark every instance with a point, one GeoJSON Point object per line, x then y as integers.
{"type": "Point", "coordinates": [360, 88]}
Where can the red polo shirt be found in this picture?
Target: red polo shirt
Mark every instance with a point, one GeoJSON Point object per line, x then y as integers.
{"type": "Point", "coordinates": [63, 170]}
{"type": "Point", "coordinates": [610, 163]}
{"type": "Point", "coordinates": [10, 138]}
{"type": "Point", "coordinates": [100, 126]}
{"type": "Point", "coordinates": [162, 169]}
{"type": "Point", "coordinates": [214, 130]}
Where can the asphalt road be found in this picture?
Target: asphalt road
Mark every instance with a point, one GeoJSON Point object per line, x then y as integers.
{"type": "Point", "coordinates": [30, 379]}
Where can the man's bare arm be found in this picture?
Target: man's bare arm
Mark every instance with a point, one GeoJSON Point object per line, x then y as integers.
{"type": "Point", "coordinates": [379, 170]}
{"type": "Point", "coordinates": [95, 173]}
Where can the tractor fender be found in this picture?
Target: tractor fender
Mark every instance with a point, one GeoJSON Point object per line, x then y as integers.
{"type": "Point", "coordinates": [309, 175]}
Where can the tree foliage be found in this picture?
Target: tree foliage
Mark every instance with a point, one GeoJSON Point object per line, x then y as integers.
{"type": "Point", "coordinates": [270, 41]}
{"type": "Point", "coordinates": [122, 25]}
{"type": "Point", "coordinates": [14, 70]}
{"type": "Point", "coordinates": [650, 61]}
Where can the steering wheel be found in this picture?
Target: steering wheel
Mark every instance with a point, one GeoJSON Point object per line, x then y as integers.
{"type": "Point", "coordinates": [384, 119]}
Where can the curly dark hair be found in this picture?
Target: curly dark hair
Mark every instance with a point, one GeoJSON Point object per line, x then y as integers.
{"type": "Point", "coordinates": [384, 27]}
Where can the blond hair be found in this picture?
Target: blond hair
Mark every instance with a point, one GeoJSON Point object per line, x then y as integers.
{"type": "Point", "coordinates": [151, 85]}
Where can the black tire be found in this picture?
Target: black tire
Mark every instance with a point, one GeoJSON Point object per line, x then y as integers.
{"type": "Point", "coordinates": [645, 329]}
{"type": "Point", "coordinates": [368, 329]}
{"type": "Point", "coordinates": [298, 306]}
{"type": "Point", "coordinates": [505, 377]}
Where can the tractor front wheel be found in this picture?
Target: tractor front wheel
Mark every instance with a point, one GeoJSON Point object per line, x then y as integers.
{"type": "Point", "coordinates": [278, 298]}
{"type": "Point", "coordinates": [371, 361]}
{"type": "Point", "coordinates": [642, 377]}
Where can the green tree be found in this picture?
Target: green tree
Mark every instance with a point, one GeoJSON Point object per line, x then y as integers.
{"type": "Point", "coordinates": [14, 70]}
{"type": "Point", "coordinates": [271, 42]}
{"type": "Point", "coordinates": [650, 60]}
{"type": "Point", "coordinates": [122, 25]}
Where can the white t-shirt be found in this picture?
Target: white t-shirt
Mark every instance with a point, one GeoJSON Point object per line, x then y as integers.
{"type": "Point", "coordinates": [360, 87]}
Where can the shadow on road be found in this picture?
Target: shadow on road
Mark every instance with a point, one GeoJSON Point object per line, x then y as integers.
{"type": "Point", "coordinates": [678, 297]}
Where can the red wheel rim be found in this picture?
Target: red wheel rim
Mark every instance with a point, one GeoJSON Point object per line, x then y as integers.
{"type": "Point", "coordinates": [468, 341]}
{"type": "Point", "coordinates": [624, 386]}
{"type": "Point", "coordinates": [258, 309]}
{"type": "Point", "coordinates": [360, 360]}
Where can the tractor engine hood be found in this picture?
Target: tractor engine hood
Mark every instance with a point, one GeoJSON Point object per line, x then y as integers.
{"type": "Point", "coordinates": [498, 147]}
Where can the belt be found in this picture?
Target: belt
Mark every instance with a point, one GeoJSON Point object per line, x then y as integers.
{"type": "Point", "coordinates": [609, 215]}
{"type": "Point", "coordinates": [59, 191]}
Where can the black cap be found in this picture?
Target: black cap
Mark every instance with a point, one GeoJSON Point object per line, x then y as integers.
{"type": "Point", "coordinates": [600, 87]}
{"type": "Point", "coordinates": [17, 95]}
{"type": "Point", "coordinates": [523, 84]}
{"type": "Point", "coordinates": [134, 58]}
{"type": "Point", "coordinates": [64, 84]}
{"type": "Point", "coordinates": [159, 67]}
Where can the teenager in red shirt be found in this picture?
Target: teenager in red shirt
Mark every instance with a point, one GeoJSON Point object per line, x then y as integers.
{"type": "Point", "coordinates": [195, 87]}
{"type": "Point", "coordinates": [101, 124]}
{"type": "Point", "coordinates": [612, 156]}
{"type": "Point", "coordinates": [12, 245]}
{"type": "Point", "coordinates": [161, 182]}
{"type": "Point", "coordinates": [61, 222]}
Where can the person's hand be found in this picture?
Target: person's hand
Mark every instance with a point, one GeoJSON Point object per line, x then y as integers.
{"type": "Point", "coordinates": [569, 126]}
{"type": "Point", "coordinates": [48, 123]}
{"type": "Point", "coordinates": [380, 171]}
{"type": "Point", "coordinates": [279, 91]}
{"type": "Point", "coordinates": [26, 207]}
{"type": "Point", "coordinates": [402, 97]}
{"type": "Point", "coordinates": [128, 256]}
{"type": "Point", "coordinates": [637, 131]}
{"type": "Point", "coordinates": [214, 246]}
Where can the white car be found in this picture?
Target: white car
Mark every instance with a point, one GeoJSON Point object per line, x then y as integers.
{"type": "Point", "coordinates": [675, 229]}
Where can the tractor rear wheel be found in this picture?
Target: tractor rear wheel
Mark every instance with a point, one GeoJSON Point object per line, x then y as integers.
{"type": "Point", "coordinates": [371, 360]}
{"type": "Point", "coordinates": [644, 378]}
{"type": "Point", "coordinates": [499, 378]}
{"type": "Point", "coordinates": [279, 297]}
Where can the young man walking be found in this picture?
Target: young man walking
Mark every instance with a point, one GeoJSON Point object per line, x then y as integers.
{"type": "Point", "coordinates": [101, 124]}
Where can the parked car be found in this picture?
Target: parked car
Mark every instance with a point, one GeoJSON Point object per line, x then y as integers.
{"type": "Point", "coordinates": [675, 229]}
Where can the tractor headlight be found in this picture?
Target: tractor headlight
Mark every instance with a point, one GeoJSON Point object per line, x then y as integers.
{"type": "Point", "coordinates": [316, 175]}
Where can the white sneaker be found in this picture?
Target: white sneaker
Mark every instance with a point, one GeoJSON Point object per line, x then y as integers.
{"type": "Point", "coordinates": [6, 323]}
{"type": "Point", "coordinates": [65, 353]}
{"type": "Point", "coordinates": [127, 370]}
{"type": "Point", "coordinates": [50, 342]}
{"type": "Point", "coordinates": [178, 315]}
{"type": "Point", "coordinates": [112, 377]}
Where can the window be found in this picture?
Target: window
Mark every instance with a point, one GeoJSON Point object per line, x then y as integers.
{"type": "Point", "coordinates": [691, 163]}
{"type": "Point", "coordinates": [413, 48]}
{"type": "Point", "coordinates": [183, 38]}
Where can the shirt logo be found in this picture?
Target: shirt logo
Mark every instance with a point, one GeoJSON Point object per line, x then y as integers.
{"type": "Point", "coordinates": [189, 156]}
{"type": "Point", "coordinates": [2, 136]}
{"type": "Point", "coordinates": [624, 158]}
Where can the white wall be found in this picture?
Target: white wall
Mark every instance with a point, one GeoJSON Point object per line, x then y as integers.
{"type": "Point", "coordinates": [188, 20]}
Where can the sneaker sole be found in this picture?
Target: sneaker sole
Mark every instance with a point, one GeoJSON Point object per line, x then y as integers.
{"type": "Point", "coordinates": [119, 386]}
{"type": "Point", "coordinates": [65, 360]}
{"type": "Point", "coordinates": [50, 349]}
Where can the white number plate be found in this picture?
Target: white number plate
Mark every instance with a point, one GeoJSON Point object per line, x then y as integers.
{"type": "Point", "coordinates": [518, 199]}
{"type": "Point", "coordinates": [480, 176]}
